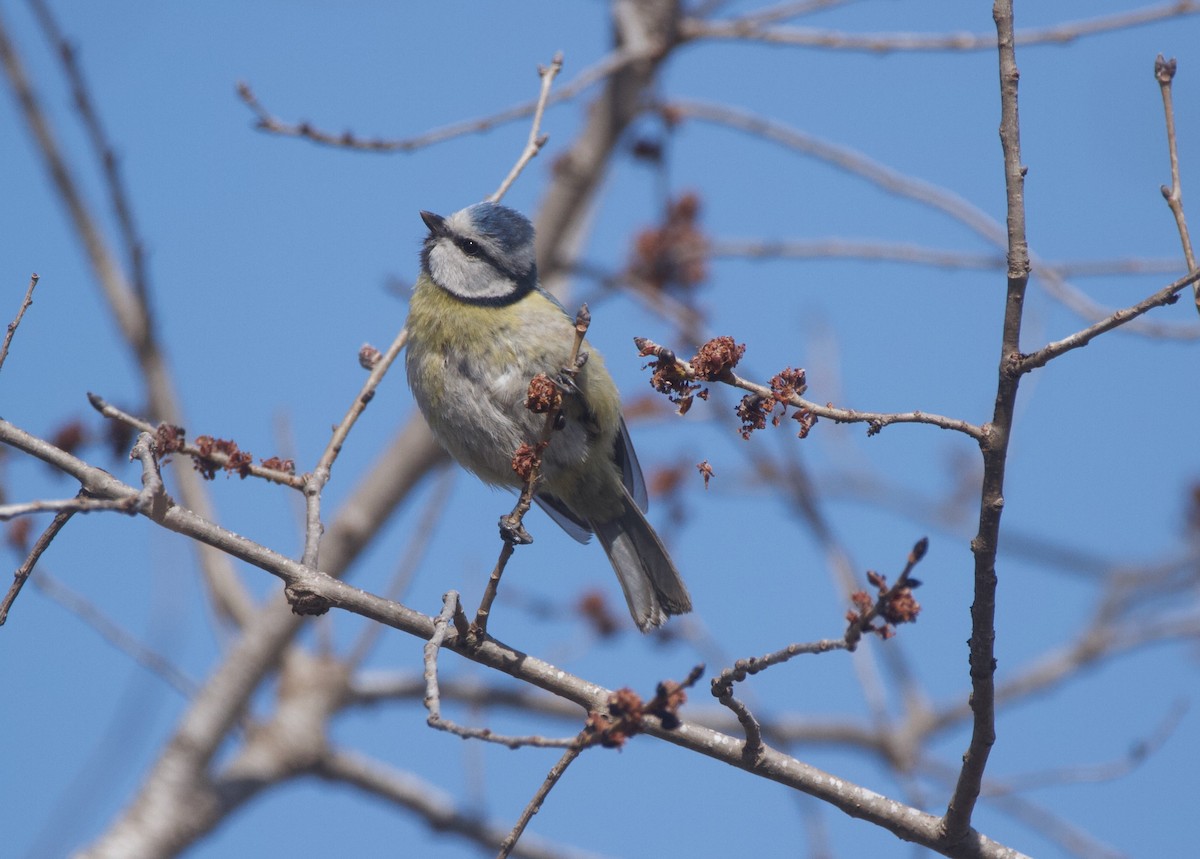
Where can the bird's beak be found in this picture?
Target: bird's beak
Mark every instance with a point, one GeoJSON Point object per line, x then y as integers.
{"type": "Point", "coordinates": [436, 223]}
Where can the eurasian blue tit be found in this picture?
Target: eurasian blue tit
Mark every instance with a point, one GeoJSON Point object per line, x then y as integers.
{"type": "Point", "coordinates": [479, 329]}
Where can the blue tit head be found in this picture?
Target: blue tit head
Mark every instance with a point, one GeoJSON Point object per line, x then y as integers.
{"type": "Point", "coordinates": [482, 254]}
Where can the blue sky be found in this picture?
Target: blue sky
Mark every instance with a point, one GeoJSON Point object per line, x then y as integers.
{"type": "Point", "coordinates": [270, 264]}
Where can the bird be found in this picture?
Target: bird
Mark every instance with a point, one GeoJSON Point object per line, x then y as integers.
{"type": "Point", "coordinates": [480, 327]}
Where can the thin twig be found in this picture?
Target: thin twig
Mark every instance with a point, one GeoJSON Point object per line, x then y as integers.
{"type": "Point", "coordinates": [132, 316]}
{"type": "Point", "coordinates": [875, 420]}
{"type": "Point", "coordinates": [535, 805]}
{"type": "Point", "coordinates": [110, 631]}
{"type": "Point", "coordinates": [994, 446]}
{"type": "Point", "coordinates": [79, 504]}
{"type": "Point", "coordinates": [1166, 295]}
{"type": "Point", "coordinates": [905, 252]}
{"type": "Point", "coordinates": [1164, 73]}
{"type": "Point", "coordinates": [439, 811]}
{"type": "Point", "coordinates": [536, 139]}
{"type": "Point", "coordinates": [512, 531]}
{"type": "Point", "coordinates": [12, 326]}
{"type": "Point", "coordinates": [26, 569]}
{"type": "Point", "coordinates": [314, 483]}
{"type": "Point", "coordinates": [924, 193]}
{"type": "Point", "coordinates": [747, 29]}
{"type": "Point", "coordinates": [598, 71]}
{"type": "Point", "coordinates": [422, 533]}
{"type": "Point", "coordinates": [433, 699]}
{"type": "Point", "coordinates": [108, 410]}
{"type": "Point", "coordinates": [101, 147]}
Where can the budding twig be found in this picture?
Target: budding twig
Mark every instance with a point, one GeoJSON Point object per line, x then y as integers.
{"type": "Point", "coordinates": [543, 397]}
{"type": "Point", "coordinates": [1164, 73]}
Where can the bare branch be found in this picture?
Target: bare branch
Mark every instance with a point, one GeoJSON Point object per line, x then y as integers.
{"type": "Point", "coordinates": [536, 139]}
{"type": "Point", "coordinates": [1164, 73]}
{"type": "Point", "coordinates": [132, 317]}
{"type": "Point", "coordinates": [12, 326]}
{"type": "Point", "coordinates": [1167, 295]}
{"type": "Point", "coordinates": [114, 634]}
{"type": "Point", "coordinates": [752, 28]}
{"type": "Point", "coordinates": [24, 571]}
{"type": "Point", "coordinates": [875, 420]}
{"type": "Point", "coordinates": [433, 698]}
{"type": "Point", "coordinates": [995, 447]}
{"type": "Point", "coordinates": [219, 458]}
{"type": "Point", "coordinates": [435, 807]}
{"type": "Point", "coordinates": [101, 148]}
{"type": "Point", "coordinates": [925, 193]}
{"type": "Point", "coordinates": [535, 804]}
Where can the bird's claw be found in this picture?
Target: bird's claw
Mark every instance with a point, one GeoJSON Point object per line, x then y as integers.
{"type": "Point", "coordinates": [513, 532]}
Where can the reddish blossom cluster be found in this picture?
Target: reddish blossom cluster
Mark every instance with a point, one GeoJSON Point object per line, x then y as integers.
{"type": "Point", "coordinates": [236, 461]}
{"type": "Point", "coordinates": [369, 356]}
{"type": "Point", "coordinates": [168, 439]}
{"type": "Point", "coordinates": [626, 710]}
{"type": "Point", "coordinates": [896, 605]}
{"type": "Point", "coordinates": [754, 410]}
{"type": "Point", "coordinates": [595, 610]}
{"type": "Point", "coordinates": [543, 395]}
{"type": "Point", "coordinates": [288, 466]}
{"type": "Point", "coordinates": [668, 376]}
{"type": "Point", "coordinates": [527, 458]}
{"type": "Point", "coordinates": [675, 254]}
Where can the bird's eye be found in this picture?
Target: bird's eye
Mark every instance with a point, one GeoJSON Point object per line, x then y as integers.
{"type": "Point", "coordinates": [470, 248]}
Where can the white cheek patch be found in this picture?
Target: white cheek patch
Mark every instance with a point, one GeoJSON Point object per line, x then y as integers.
{"type": "Point", "coordinates": [464, 276]}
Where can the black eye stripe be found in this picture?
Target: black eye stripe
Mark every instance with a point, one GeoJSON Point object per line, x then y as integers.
{"type": "Point", "coordinates": [469, 247]}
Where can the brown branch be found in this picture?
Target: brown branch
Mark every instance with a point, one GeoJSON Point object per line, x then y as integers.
{"type": "Point", "coordinates": [751, 29]}
{"type": "Point", "coordinates": [433, 697]}
{"type": "Point", "coordinates": [875, 420]}
{"type": "Point", "coordinates": [132, 316]}
{"type": "Point", "coordinates": [433, 806]}
{"type": "Point", "coordinates": [201, 739]}
{"type": "Point", "coordinates": [536, 139]}
{"type": "Point", "coordinates": [314, 483]}
{"type": "Point", "coordinates": [23, 572]}
{"type": "Point", "coordinates": [12, 326]}
{"type": "Point", "coordinates": [905, 252]}
{"type": "Point", "coordinates": [1167, 295]}
{"type": "Point", "coordinates": [994, 447]}
{"type": "Point", "coordinates": [512, 531]}
{"type": "Point", "coordinates": [535, 805]}
{"type": "Point", "coordinates": [924, 193]}
{"type": "Point", "coordinates": [114, 634]}
{"type": "Point", "coordinates": [101, 147]}
{"type": "Point", "coordinates": [220, 459]}
{"type": "Point", "coordinates": [1164, 73]}
{"type": "Point", "coordinates": [267, 122]}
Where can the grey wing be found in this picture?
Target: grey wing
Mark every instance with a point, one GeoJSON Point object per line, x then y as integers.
{"type": "Point", "coordinates": [631, 471]}
{"type": "Point", "coordinates": [568, 521]}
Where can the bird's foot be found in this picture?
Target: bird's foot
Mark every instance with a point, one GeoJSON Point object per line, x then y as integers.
{"type": "Point", "coordinates": [513, 532]}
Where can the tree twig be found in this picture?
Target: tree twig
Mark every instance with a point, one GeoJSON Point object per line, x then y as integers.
{"type": "Point", "coordinates": [535, 805]}
{"type": "Point", "coordinates": [512, 531]}
{"type": "Point", "coordinates": [751, 29]}
{"type": "Point", "coordinates": [994, 446]}
{"type": "Point", "coordinates": [924, 193]}
{"type": "Point", "coordinates": [433, 697]}
{"type": "Point", "coordinates": [24, 571]}
{"type": "Point", "coordinates": [536, 139]}
{"type": "Point", "coordinates": [1164, 73]}
{"type": "Point", "coordinates": [12, 326]}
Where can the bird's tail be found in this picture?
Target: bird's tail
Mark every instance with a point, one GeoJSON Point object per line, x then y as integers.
{"type": "Point", "coordinates": [653, 587]}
